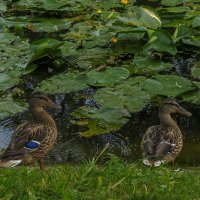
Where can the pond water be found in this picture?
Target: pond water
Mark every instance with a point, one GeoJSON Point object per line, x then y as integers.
{"type": "Point", "coordinates": [73, 148]}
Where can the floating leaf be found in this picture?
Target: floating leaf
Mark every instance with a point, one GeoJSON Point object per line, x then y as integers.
{"type": "Point", "coordinates": [183, 31]}
{"type": "Point", "coordinates": [167, 85]}
{"type": "Point", "coordinates": [126, 95]}
{"type": "Point", "coordinates": [193, 96]}
{"type": "Point", "coordinates": [64, 83]}
{"type": "Point", "coordinates": [161, 41]}
{"type": "Point", "coordinates": [176, 2]}
{"type": "Point", "coordinates": [194, 41]}
{"type": "Point", "coordinates": [196, 22]}
{"type": "Point", "coordinates": [101, 120]}
{"type": "Point", "coordinates": [37, 24]}
{"type": "Point", "coordinates": [142, 16]}
{"type": "Point", "coordinates": [44, 47]}
{"type": "Point", "coordinates": [108, 77]}
{"type": "Point", "coordinates": [196, 70]}
{"type": "Point", "coordinates": [9, 79]}
{"type": "Point", "coordinates": [10, 107]}
{"type": "Point", "coordinates": [148, 65]}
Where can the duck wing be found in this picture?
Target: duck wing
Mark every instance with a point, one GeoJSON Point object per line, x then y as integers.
{"type": "Point", "coordinates": [26, 138]}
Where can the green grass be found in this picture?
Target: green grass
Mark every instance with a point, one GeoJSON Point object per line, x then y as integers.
{"type": "Point", "coordinates": [114, 180]}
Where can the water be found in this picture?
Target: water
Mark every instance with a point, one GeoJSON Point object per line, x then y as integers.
{"type": "Point", "coordinates": [73, 148]}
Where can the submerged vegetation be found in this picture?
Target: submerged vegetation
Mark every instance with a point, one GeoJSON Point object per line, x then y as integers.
{"type": "Point", "coordinates": [114, 180]}
{"type": "Point", "coordinates": [123, 50]}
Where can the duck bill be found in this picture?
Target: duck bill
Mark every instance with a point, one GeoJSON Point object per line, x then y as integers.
{"type": "Point", "coordinates": [55, 107]}
{"type": "Point", "coordinates": [185, 112]}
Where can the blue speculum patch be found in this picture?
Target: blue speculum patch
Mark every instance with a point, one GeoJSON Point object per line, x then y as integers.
{"type": "Point", "coordinates": [32, 144]}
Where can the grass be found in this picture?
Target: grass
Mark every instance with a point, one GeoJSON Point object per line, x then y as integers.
{"type": "Point", "coordinates": [115, 180]}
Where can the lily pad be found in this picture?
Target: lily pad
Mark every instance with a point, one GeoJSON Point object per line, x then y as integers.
{"type": "Point", "coordinates": [64, 83]}
{"type": "Point", "coordinates": [9, 106]}
{"type": "Point", "coordinates": [161, 41]}
{"type": "Point", "coordinates": [36, 24]}
{"type": "Point", "coordinates": [176, 2]}
{"type": "Point", "coordinates": [167, 85]}
{"type": "Point", "coordinates": [44, 47]}
{"type": "Point", "coordinates": [194, 41]}
{"type": "Point", "coordinates": [148, 65]}
{"type": "Point", "coordinates": [8, 79]}
{"type": "Point", "coordinates": [196, 70]}
{"type": "Point", "coordinates": [100, 121]}
{"type": "Point", "coordinates": [126, 95]}
{"type": "Point", "coordinates": [108, 77]}
{"type": "Point", "coordinates": [196, 22]}
{"type": "Point", "coordinates": [142, 16]}
{"type": "Point", "coordinates": [183, 31]}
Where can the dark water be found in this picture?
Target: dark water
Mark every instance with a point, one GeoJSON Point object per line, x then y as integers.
{"type": "Point", "coordinates": [71, 147]}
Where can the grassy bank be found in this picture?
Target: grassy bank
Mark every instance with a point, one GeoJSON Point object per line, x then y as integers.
{"type": "Point", "coordinates": [114, 180]}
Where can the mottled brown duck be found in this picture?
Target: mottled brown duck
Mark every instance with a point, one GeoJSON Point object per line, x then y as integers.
{"type": "Point", "coordinates": [163, 143]}
{"type": "Point", "coordinates": [32, 140]}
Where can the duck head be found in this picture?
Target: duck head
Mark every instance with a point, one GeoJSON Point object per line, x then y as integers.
{"type": "Point", "coordinates": [170, 106]}
{"type": "Point", "coordinates": [42, 101]}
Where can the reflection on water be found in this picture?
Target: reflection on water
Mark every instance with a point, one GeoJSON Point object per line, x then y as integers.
{"type": "Point", "coordinates": [71, 147]}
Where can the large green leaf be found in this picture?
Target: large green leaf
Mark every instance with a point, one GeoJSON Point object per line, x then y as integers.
{"type": "Point", "coordinates": [183, 31]}
{"type": "Point", "coordinates": [15, 56]}
{"type": "Point", "coordinates": [9, 106]}
{"type": "Point", "coordinates": [64, 83]}
{"type": "Point", "coordinates": [126, 95]}
{"type": "Point", "coordinates": [167, 85]}
{"type": "Point", "coordinates": [100, 121]}
{"type": "Point", "coordinates": [108, 77]}
{"type": "Point", "coordinates": [142, 16]}
{"type": "Point", "coordinates": [37, 24]}
{"type": "Point", "coordinates": [148, 65]}
{"type": "Point", "coordinates": [44, 47]}
{"type": "Point", "coordinates": [193, 40]}
{"type": "Point", "coordinates": [196, 70]}
{"type": "Point", "coordinates": [8, 79]}
{"type": "Point", "coordinates": [196, 22]}
{"type": "Point", "coordinates": [161, 41]}
{"type": "Point", "coordinates": [3, 6]}
{"type": "Point", "coordinates": [176, 2]}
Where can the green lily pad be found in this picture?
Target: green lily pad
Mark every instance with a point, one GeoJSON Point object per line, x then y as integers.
{"type": "Point", "coordinates": [100, 121]}
{"type": "Point", "coordinates": [108, 77]}
{"type": "Point", "coordinates": [142, 16]}
{"type": "Point", "coordinates": [3, 6]}
{"type": "Point", "coordinates": [8, 79]}
{"type": "Point", "coordinates": [126, 95]}
{"type": "Point", "coordinates": [196, 22]}
{"type": "Point", "coordinates": [193, 97]}
{"type": "Point", "coordinates": [148, 65]}
{"type": "Point", "coordinates": [176, 2]}
{"type": "Point", "coordinates": [36, 24]}
{"type": "Point", "coordinates": [196, 70]}
{"type": "Point", "coordinates": [167, 85]}
{"type": "Point", "coordinates": [161, 41]}
{"type": "Point", "coordinates": [64, 83]}
{"type": "Point", "coordinates": [183, 31]}
{"type": "Point", "coordinates": [9, 106]}
{"type": "Point", "coordinates": [194, 41]}
{"type": "Point", "coordinates": [44, 47]}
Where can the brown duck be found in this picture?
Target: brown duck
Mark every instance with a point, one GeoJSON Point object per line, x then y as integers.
{"type": "Point", "coordinates": [32, 140]}
{"type": "Point", "coordinates": [163, 143]}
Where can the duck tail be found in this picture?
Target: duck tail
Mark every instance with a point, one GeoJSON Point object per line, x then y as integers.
{"type": "Point", "coordinates": [9, 163]}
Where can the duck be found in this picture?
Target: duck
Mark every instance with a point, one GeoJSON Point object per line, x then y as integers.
{"type": "Point", "coordinates": [163, 143]}
{"type": "Point", "coordinates": [32, 140]}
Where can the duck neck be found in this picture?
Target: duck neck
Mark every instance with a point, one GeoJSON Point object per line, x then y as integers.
{"type": "Point", "coordinates": [40, 115]}
{"type": "Point", "coordinates": [166, 120]}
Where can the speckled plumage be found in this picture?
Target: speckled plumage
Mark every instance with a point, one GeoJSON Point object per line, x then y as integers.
{"type": "Point", "coordinates": [164, 142]}
{"type": "Point", "coordinates": [32, 140]}
{"type": "Point", "coordinates": [157, 134]}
